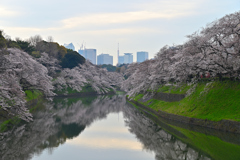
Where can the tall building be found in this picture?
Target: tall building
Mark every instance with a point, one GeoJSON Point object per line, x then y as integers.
{"type": "Point", "coordinates": [104, 59]}
{"type": "Point", "coordinates": [69, 46]}
{"type": "Point", "coordinates": [89, 54]}
{"type": "Point", "coordinates": [128, 58]}
{"type": "Point", "coordinates": [142, 56]}
{"type": "Point", "coordinates": [120, 59]}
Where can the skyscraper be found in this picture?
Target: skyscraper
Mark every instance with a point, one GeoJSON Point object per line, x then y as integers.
{"type": "Point", "coordinates": [120, 59]}
{"type": "Point", "coordinates": [104, 59]}
{"type": "Point", "coordinates": [142, 56]}
{"type": "Point", "coordinates": [81, 52]}
{"type": "Point", "coordinates": [69, 46]}
{"type": "Point", "coordinates": [89, 54]}
{"type": "Point", "coordinates": [128, 58]}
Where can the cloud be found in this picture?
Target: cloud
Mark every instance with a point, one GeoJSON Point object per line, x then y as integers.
{"type": "Point", "coordinates": [171, 5]}
{"type": "Point", "coordinates": [6, 12]}
{"type": "Point", "coordinates": [119, 18]}
{"type": "Point", "coordinates": [119, 31]}
{"type": "Point", "coordinates": [101, 142]}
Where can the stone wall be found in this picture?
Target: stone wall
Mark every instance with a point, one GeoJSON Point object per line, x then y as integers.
{"type": "Point", "coordinates": [168, 97]}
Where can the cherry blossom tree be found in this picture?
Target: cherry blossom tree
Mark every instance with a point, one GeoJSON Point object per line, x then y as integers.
{"type": "Point", "coordinates": [98, 78]}
{"type": "Point", "coordinates": [213, 51]}
{"type": "Point", "coordinates": [20, 72]}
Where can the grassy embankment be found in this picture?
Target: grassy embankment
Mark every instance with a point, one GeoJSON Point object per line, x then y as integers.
{"type": "Point", "coordinates": [213, 101]}
{"type": "Point", "coordinates": [210, 145]}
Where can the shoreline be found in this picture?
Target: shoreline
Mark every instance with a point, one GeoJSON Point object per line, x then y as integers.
{"type": "Point", "coordinates": [222, 125]}
{"type": "Point", "coordinates": [83, 94]}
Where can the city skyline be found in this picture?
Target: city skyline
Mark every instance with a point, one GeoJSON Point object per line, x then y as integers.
{"type": "Point", "coordinates": [142, 56]}
{"type": "Point", "coordinates": [136, 25]}
{"type": "Point", "coordinates": [101, 58]}
{"type": "Point", "coordinates": [104, 59]}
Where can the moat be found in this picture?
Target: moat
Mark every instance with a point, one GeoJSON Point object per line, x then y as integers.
{"type": "Point", "coordinates": [108, 127]}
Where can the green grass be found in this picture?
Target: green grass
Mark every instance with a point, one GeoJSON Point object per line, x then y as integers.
{"type": "Point", "coordinates": [8, 124]}
{"type": "Point", "coordinates": [139, 96]}
{"type": "Point", "coordinates": [179, 89]}
{"type": "Point", "coordinates": [4, 125]}
{"type": "Point", "coordinates": [30, 95]}
{"type": "Point", "coordinates": [33, 94]}
{"type": "Point", "coordinates": [222, 101]}
{"type": "Point", "coordinates": [210, 145]}
{"type": "Point", "coordinates": [87, 88]}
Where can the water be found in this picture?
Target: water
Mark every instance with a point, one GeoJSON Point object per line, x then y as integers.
{"type": "Point", "coordinates": [104, 128]}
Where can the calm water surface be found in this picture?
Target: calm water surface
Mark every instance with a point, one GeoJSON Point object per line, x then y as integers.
{"type": "Point", "coordinates": [104, 128]}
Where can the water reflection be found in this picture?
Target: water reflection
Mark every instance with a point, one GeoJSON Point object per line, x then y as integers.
{"type": "Point", "coordinates": [56, 122]}
{"type": "Point", "coordinates": [74, 122]}
{"type": "Point", "coordinates": [154, 138]}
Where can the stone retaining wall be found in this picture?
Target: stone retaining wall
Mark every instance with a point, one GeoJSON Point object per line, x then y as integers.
{"type": "Point", "coordinates": [168, 97]}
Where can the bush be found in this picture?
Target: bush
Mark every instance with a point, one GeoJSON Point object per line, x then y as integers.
{"type": "Point", "coordinates": [2, 41]}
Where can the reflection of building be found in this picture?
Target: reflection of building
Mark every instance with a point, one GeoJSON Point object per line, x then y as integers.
{"type": "Point", "coordinates": [89, 54]}
{"type": "Point", "coordinates": [104, 59]}
{"type": "Point", "coordinates": [128, 58]}
{"type": "Point", "coordinates": [142, 56]}
{"type": "Point", "coordinates": [69, 46]}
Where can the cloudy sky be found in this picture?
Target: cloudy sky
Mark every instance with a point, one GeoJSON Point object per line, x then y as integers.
{"type": "Point", "coordinates": [138, 25]}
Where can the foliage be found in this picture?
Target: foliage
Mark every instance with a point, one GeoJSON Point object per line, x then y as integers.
{"type": "Point", "coordinates": [53, 49]}
{"type": "Point", "coordinates": [87, 88]}
{"type": "Point", "coordinates": [24, 45]}
{"type": "Point", "coordinates": [98, 78]}
{"type": "Point", "coordinates": [8, 124]}
{"type": "Point", "coordinates": [212, 52]}
{"type": "Point", "coordinates": [2, 40]}
{"type": "Point", "coordinates": [32, 94]}
{"type": "Point", "coordinates": [20, 72]}
{"type": "Point", "coordinates": [72, 59]}
{"type": "Point", "coordinates": [32, 68]}
{"type": "Point", "coordinates": [36, 54]}
{"type": "Point", "coordinates": [109, 67]}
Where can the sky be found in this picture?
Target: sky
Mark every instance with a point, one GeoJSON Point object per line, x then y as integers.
{"type": "Point", "coordinates": [137, 25]}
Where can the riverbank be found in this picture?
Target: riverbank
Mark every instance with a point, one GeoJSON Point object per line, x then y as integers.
{"type": "Point", "coordinates": [209, 104]}
{"type": "Point", "coordinates": [215, 144]}
{"type": "Point", "coordinates": [35, 99]}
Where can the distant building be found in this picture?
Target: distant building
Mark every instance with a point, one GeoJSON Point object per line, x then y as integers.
{"type": "Point", "coordinates": [69, 46]}
{"type": "Point", "coordinates": [89, 54]}
{"type": "Point", "coordinates": [120, 59]}
{"type": "Point", "coordinates": [104, 59]}
{"type": "Point", "coordinates": [128, 58]}
{"type": "Point", "coordinates": [81, 52]}
{"type": "Point", "coordinates": [142, 56]}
